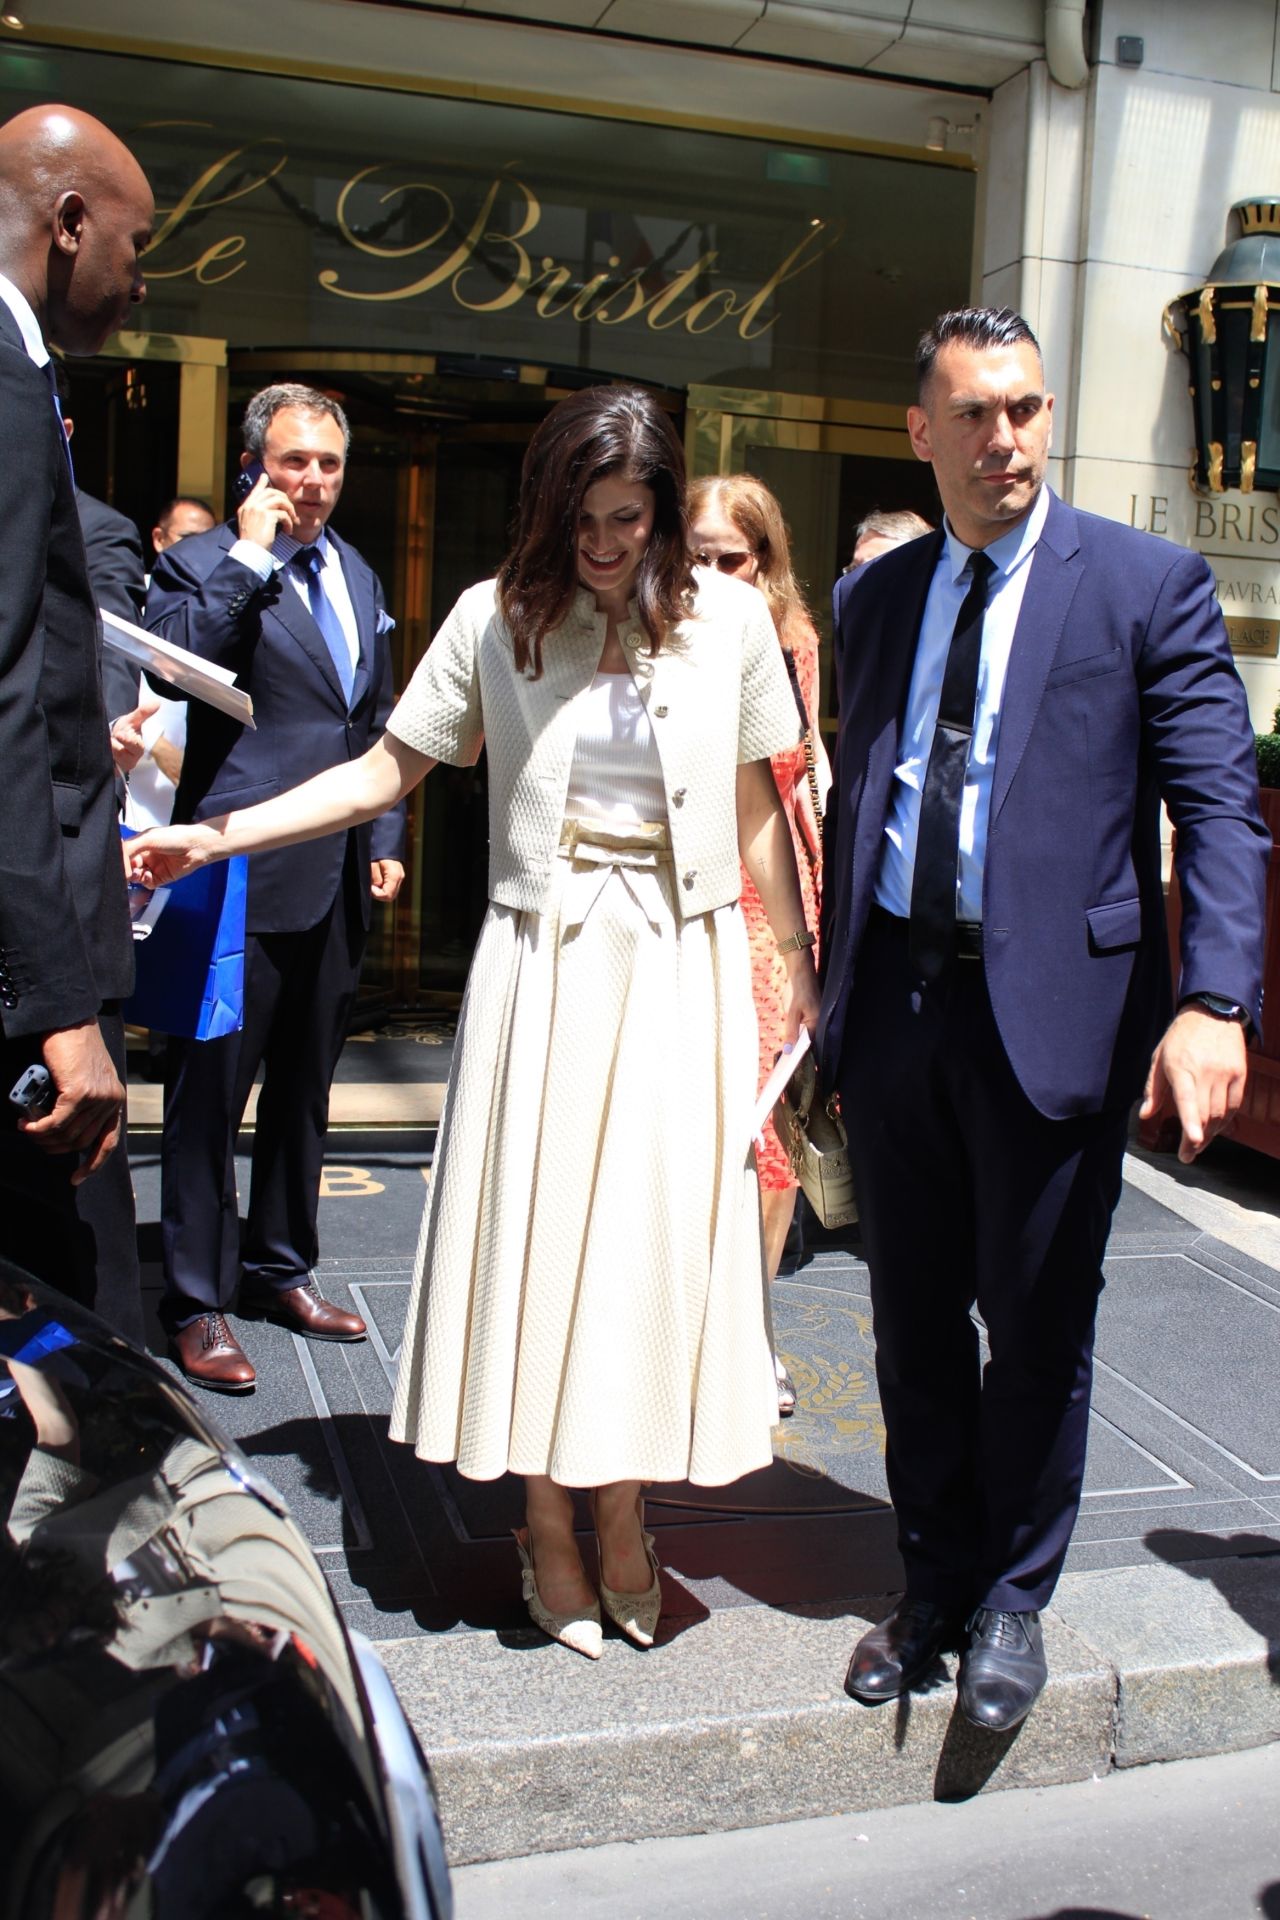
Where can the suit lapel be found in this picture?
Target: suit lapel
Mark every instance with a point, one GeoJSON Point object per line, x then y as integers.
{"type": "Point", "coordinates": [900, 616]}
{"type": "Point", "coordinates": [1056, 570]}
{"type": "Point", "coordinates": [296, 619]}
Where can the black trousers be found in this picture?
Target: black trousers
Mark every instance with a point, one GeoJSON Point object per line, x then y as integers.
{"type": "Point", "coordinates": [298, 990]}
{"type": "Point", "coordinates": [969, 1194]}
{"type": "Point", "coordinates": [82, 1240]}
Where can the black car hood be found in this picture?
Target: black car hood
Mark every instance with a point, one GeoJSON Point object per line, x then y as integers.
{"type": "Point", "coordinates": [184, 1729]}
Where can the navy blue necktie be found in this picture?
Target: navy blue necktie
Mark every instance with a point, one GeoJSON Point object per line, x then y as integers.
{"type": "Point", "coordinates": [62, 425]}
{"type": "Point", "coordinates": [931, 938]}
{"type": "Point", "coordinates": [325, 615]}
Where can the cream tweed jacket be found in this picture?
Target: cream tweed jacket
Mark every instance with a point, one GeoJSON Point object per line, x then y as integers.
{"type": "Point", "coordinates": [717, 695]}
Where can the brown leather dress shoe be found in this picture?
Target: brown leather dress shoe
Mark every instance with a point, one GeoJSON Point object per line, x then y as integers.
{"type": "Point", "coordinates": [303, 1309]}
{"type": "Point", "coordinates": [209, 1353]}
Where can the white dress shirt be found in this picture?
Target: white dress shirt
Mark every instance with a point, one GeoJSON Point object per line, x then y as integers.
{"type": "Point", "coordinates": [332, 580]}
{"type": "Point", "coordinates": [28, 326]}
{"type": "Point", "coordinates": [1011, 557]}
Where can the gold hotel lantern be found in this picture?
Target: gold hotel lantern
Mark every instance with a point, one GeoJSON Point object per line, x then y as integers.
{"type": "Point", "coordinates": [1229, 330]}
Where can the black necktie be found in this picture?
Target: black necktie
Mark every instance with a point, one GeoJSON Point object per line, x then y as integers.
{"type": "Point", "coordinates": [931, 939]}
{"type": "Point", "coordinates": [325, 615]}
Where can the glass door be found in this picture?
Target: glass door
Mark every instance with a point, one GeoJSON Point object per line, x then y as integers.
{"type": "Point", "coordinates": [829, 462]}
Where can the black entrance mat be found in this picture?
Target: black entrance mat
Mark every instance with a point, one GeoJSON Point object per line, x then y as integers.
{"type": "Point", "coordinates": [1183, 1438]}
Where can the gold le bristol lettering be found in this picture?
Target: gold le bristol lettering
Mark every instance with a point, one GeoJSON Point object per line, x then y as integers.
{"type": "Point", "coordinates": [486, 253]}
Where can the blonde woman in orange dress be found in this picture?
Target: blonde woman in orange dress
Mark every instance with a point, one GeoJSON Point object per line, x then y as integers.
{"type": "Point", "coordinates": [737, 528]}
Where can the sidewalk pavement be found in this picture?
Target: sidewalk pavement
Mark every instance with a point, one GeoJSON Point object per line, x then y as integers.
{"type": "Point", "coordinates": [1164, 1636]}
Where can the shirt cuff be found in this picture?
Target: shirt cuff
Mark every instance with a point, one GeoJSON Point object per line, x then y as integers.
{"type": "Point", "coordinates": [256, 558]}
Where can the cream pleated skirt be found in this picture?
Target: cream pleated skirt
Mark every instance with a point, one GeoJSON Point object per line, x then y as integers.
{"type": "Point", "coordinates": [589, 1299]}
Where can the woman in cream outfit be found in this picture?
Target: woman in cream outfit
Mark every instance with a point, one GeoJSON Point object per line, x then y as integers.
{"type": "Point", "coordinates": [589, 1305]}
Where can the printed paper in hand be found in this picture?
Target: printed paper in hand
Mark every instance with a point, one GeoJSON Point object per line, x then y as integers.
{"type": "Point", "coordinates": [784, 1067]}
{"type": "Point", "coordinates": [161, 659]}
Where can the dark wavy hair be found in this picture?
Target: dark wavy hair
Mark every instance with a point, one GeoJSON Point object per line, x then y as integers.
{"type": "Point", "coordinates": [587, 437]}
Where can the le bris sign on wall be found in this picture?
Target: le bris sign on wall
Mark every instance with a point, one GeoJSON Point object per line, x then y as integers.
{"type": "Point", "coordinates": [1240, 538]}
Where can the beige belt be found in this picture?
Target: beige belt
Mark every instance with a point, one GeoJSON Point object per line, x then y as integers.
{"type": "Point", "coordinates": [636, 853]}
{"type": "Point", "coordinates": [646, 843]}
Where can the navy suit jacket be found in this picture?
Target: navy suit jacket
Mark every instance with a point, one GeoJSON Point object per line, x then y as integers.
{"type": "Point", "coordinates": [1121, 690]}
{"type": "Point", "coordinates": [65, 945]}
{"type": "Point", "coordinates": [202, 599]}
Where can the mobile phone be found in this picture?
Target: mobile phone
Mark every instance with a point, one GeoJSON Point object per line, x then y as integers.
{"type": "Point", "coordinates": [33, 1093]}
{"type": "Point", "coordinates": [284, 546]}
{"type": "Point", "coordinates": [246, 480]}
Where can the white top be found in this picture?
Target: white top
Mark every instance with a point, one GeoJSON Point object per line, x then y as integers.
{"type": "Point", "coordinates": [716, 693]}
{"type": "Point", "coordinates": [616, 773]}
{"type": "Point", "coordinates": [1011, 555]}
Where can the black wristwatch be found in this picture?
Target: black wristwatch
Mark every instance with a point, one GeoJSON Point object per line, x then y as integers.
{"type": "Point", "coordinates": [1217, 1003]}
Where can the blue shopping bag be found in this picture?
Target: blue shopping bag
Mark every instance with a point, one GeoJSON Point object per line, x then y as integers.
{"type": "Point", "coordinates": [190, 968]}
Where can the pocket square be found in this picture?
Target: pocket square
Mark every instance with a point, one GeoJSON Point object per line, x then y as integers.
{"type": "Point", "coordinates": [385, 623]}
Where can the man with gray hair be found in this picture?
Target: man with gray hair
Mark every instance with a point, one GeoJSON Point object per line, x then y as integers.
{"type": "Point", "coordinates": [878, 532]}
{"type": "Point", "coordinates": [299, 618]}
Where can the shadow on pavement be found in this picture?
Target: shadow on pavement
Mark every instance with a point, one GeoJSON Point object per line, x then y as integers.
{"type": "Point", "coordinates": [1227, 1560]}
{"type": "Point", "coordinates": [1085, 1913]}
{"type": "Point", "coordinates": [969, 1757]}
{"type": "Point", "coordinates": [441, 1549]}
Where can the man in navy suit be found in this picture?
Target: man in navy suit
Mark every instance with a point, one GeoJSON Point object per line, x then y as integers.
{"type": "Point", "coordinates": [1020, 690]}
{"type": "Point", "coordinates": [299, 617]}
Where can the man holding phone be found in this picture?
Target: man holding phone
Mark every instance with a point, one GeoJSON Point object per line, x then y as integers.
{"type": "Point", "coordinates": [298, 616]}
{"type": "Point", "coordinates": [75, 215]}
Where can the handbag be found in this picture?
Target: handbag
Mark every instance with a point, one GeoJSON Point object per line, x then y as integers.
{"type": "Point", "coordinates": [813, 1138]}
{"type": "Point", "coordinates": [190, 968]}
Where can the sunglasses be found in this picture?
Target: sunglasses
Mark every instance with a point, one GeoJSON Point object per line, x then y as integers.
{"type": "Point", "coordinates": [724, 562]}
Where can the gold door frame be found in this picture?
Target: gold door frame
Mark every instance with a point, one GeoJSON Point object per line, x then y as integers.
{"type": "Point", "coordinates": [202, 404]}
{"type": "Point", "coordinates": [722, 423]}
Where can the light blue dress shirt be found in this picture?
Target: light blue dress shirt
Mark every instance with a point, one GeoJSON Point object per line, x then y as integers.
{"type": "Point", "coordinates": [1011, 557]}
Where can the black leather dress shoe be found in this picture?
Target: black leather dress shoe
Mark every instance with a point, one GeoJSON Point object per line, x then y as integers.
{"type": "Point", "coordinates": [1002, 1670]}
{"type": "Point", "coordinates": [893, 1656]}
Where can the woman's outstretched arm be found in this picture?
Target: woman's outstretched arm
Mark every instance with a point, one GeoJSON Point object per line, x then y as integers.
{"type": "Point", "coordinates": [764, 842]}
{"type": "Point", "coordinates": [342, 796]}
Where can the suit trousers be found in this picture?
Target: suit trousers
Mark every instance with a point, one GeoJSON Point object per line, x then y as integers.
{"type": "Point", "coordinates": [298, 991]}
{"type": "Point", "coordinates": [968, 1194]}
{"type": "Point", "coordinates": [81, 1240]}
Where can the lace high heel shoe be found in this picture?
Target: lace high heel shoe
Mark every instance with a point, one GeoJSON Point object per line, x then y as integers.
{"type": "Point", "coordinates": [582, 1632]}
{"type": "Point", "coordinates": [636, 1614]}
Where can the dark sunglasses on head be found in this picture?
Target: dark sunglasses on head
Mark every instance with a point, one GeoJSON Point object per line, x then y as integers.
{"type": "Point", "coordinates": [726, 562]}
